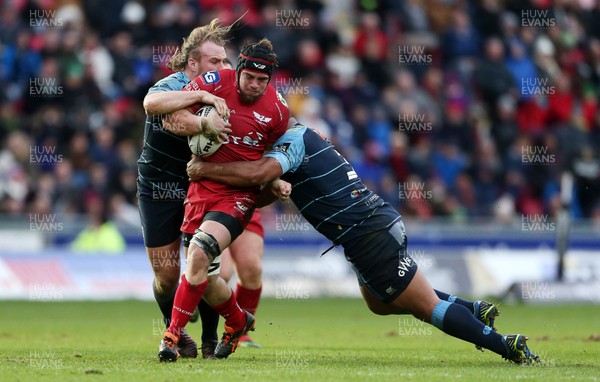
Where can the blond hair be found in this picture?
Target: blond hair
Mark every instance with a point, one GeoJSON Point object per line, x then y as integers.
{"type": "Point", "coordinates": [212, 32]}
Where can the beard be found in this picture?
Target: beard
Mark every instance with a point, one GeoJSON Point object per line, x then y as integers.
{"type": "Point", "coordinates": [249, 98]}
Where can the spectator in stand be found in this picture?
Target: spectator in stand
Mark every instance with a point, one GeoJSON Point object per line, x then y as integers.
{"type": "Point", "coordinates": [371, 45]}
{"type": "Point", "coordinates": [492, 78]}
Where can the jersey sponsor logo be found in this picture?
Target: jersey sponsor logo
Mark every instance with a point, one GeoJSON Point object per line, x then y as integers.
{"type": "Point", "coordinates": [282, 147]}
{"type": "Point", "coordinates": [211, 77]}
{"type": "Point", "coordinates": [356, 193]}
{"type": "Point", "coordinates": [192, 86]}
{"type": "Point", "coordinates": [249, 139]}
{"type": "Point", "coordinates": [404, 266]}
{"type": "Point", "coordinates": [352, 175]}
{"type": "Point", "coordinates": [261, 118]}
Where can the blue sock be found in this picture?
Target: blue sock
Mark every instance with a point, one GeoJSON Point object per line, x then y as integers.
{"type": "Point", "coordinates": [451, 298]}
{"type": "Point", "coordinates": [459, 322]}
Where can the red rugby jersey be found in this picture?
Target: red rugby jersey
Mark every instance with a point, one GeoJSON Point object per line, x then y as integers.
{"type": "Point", "coordinates": [254, 126]}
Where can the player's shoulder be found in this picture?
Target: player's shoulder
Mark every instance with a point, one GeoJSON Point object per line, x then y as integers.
{"type": "Point", "coordinates": [174, 81]}
{"type": "Point", "coordinates": [225, 76]}
{"type": "Point", "coordinates": [274, 104]}
{"type": "Point", "coordinates": [292, 135]}
{"type": "Point", "coordinates": [275, 97]}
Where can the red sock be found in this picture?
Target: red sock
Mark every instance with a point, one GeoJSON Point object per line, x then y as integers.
{"type": "Point", "coordinates": [248, 298]}
{"type": "Point", "coordinates": [187, 298]}
{"type": "Point", "coordinates": [234, 316]}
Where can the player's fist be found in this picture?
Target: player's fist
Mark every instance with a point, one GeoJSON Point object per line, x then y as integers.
{"type": "Point", "coordinates": [194, 168]}
{"type": "Point", "coordinates": [281, 189]}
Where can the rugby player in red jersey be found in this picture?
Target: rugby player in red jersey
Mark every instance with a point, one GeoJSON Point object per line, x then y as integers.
{"type": "Point", "coordinates": [216, 213]}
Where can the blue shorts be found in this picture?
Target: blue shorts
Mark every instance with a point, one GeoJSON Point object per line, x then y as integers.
{"type": "Point", "coordinates": [381, 262]}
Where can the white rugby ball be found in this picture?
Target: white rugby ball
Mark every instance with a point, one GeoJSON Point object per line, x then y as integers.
{"type": "Point", "coordinates": [200, 144]}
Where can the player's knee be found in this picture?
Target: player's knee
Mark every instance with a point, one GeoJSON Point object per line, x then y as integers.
{"type": "Point", "coordinates": [250, 272]}
{"type": "Point", "coordinates": [197, 258]}
{"type": "Point", "coordinates": [207, 243]}
{"type": "Point", "coordinates": [166, 280]}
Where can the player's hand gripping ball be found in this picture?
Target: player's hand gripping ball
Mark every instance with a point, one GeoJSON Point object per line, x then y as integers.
{"type": "Point", "coordinates": [207, 142]}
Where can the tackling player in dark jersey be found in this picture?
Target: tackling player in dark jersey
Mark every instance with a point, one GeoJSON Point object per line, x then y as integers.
{"type": "Point", "coordinates": [332, 198]}
{"type": "Point", "coordinates": [162, 182]}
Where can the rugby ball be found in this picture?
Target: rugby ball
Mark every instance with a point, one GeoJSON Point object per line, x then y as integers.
{"type": "Point", "coordinates": [199, 143]}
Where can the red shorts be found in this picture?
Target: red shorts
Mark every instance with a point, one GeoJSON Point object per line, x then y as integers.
{"type": "Point", "coordinates": [255, 225]}
{"type": "Point", "coordinates": [200, 201]}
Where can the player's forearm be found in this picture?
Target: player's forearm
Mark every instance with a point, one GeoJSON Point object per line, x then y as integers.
{"type": "Point", "coordinates": [238, 174]}
{"type": "Point", "coordinates": [265, 197]}
{"type": "Point", "coordinates": [182, 122]}
{"type": "Point", "coordinates": [168, 102]}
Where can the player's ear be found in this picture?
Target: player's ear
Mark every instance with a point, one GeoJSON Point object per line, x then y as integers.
{"type": "Point", "coordinates": [193, 65]}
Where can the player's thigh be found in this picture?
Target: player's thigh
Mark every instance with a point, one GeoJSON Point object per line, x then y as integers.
{"type": "Point", "coordinates": [381, 262]}
{"type": "Point", "coordinates": [419, 298]}
{"type": "Point", "coordinates": [247, 251]}
{"type": "Point", "coordinates": [377, 306]}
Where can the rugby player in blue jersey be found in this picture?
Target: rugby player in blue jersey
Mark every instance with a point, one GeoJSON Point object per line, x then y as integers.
{"type": "Point", "coordinates": [162, 182]}
{"type": "Point", "coordinates": [334, 200]}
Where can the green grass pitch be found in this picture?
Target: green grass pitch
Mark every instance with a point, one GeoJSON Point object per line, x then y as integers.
{"type": "Point", "coordinates": [302, 340]}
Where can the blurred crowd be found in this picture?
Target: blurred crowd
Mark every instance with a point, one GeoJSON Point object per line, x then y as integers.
{"type": "Point", "coordinates": [462, 109]}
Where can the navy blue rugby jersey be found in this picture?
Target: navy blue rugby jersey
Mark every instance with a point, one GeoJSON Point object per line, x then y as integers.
{"type": "Point", "coordinates": [326, 189]}
{"type": "Point", "coordinates": [164, 154]}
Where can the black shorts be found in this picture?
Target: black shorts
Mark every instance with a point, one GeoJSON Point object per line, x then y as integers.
{"type": "Point", "coordinates": [161, 213]}
{"type": "Point", "coordinates": [381, 261]}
